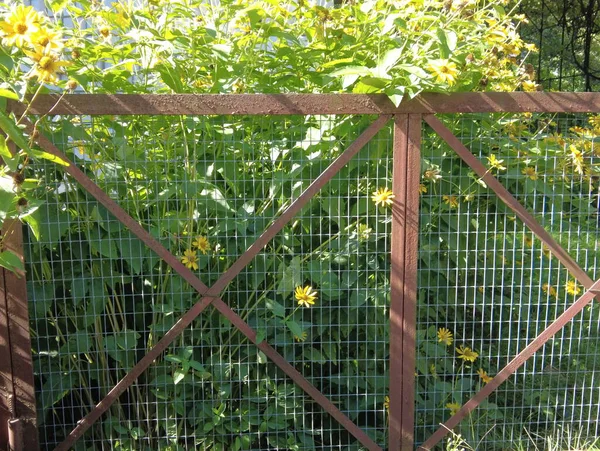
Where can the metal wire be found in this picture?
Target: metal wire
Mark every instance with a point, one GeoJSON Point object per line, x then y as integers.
{"type": "Point", "coordinates": [490, 282]}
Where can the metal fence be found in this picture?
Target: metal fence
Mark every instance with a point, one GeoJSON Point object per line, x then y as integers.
{"type": "Point", "coordinates": [231, 272]}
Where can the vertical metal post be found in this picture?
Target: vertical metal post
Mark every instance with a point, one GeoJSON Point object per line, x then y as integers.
{"type": "Point", "coordinates": [403, 279]}
{"type": "Point", "coordinates": [18, 416]}
{"type": "Point", "coordinates": [13, 291]}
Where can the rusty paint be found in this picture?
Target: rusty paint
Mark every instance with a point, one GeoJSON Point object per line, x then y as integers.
{"type": "Point", "coordinates": [509, 200]}
{"type": "Point", "coordinates": [300, 380]}
{"type": "Point", "coordinates": [512, 366]}
{"type": "Point", "coordinates": [285, 104]}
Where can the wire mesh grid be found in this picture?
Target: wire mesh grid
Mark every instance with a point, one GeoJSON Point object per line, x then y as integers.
{"type": "Point", "coordinates": [206, 187]}
{"type": "Point", "coordinates": [487, 286]}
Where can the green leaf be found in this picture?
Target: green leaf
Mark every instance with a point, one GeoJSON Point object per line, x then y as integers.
{"type": "Point", "coordinates": [351, 70]}
{"type": "Point", "coordinates": [11, 161]}
{"type": "Point", "coordinates": [275, 307]}
{"type": "Point", "coordinates": [13, 131]}
{"type": "Point", "coordinates": [47, 156]}
{"type": "Point", "coordinates": [294, 328]}
{"type": "Point", "coordinates": [8, 94]}
{"type": "Point", "coordinates": [11, 261]}
{"type": "Point", "coordinates": [290, 276]}
{"type": "Point", "coordinates": [178, 376]}
{"type": "Point", "coordinates": [314, 355]}
{"type": "Point", "coordinates": [262, 358]}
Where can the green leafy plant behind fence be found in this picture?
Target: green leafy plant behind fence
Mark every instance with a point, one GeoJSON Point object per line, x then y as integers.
{"type": "Point", "coordinates": [487, 285]}
{"type": "Point", "coordinates": [319, 291]}
{"type": "Point", "coordinates": [207, 188]}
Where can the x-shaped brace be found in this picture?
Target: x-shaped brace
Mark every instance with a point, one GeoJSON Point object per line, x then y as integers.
{"type": "Point", "coordinates": [210, 296]}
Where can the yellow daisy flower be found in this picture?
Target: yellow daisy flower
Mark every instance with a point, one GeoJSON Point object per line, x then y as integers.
{"type": "Point", "coordinates": [466, 354]}
{"type": "Point", "coordinates": [302, 337]}
{"type": "Point", "coordinates": [190, 259]}
{"type": "Point", "coordinates": [46, 66]}
{"type": "Point", "coordinates": [444, 336]}
{"type": "Point", "coordinates": [422, 188]}
{"type": "Point", "coordinates": [577, 157]}
{"type": "Point", "coordinates": [383, 197]}
{"type": "Point", "coordinates": [305, 296]}
{"type": "Point", "coordinates": [386, 403]}
{"type": "Point", "coordinates": [433, 371]}
{"type": "Point", "coordinates": [495, 163]}
{"type": "Point", "coordinates": [484, 375]}
{"type": "Point", "coordinates": [572, 288]}
{"type": "Point", "coordinates": [46, 39]}
{"type": "Point", "coordinates": [201, 243]}
{"type": "Point", "coordinates": [451, 201]}
{"type": "Point", "coordinates": [529, 86]}
{"type": "Point", "coordinates": [444, 70]}
{"type": "Point", "coordinates": [549, 289]}
{"type": "Point", "coordinates": [19, 25]}
{"type": "Point", "coordinates": [530, 172]}
{"type": "Point", "coordinates": [454, 407]}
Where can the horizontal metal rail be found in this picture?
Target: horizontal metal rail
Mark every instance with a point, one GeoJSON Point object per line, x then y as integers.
{"type": "Point", "coordinates": [308, 104]}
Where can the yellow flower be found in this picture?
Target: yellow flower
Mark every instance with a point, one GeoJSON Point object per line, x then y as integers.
{"type": "Point", "coordinates": [529, 86]}
{"type": "Point", "coordinates": [454, 407]}
{"type": "Point", "coordinates": [484, 375]}
{"type": "Point", "coordinates": [466, 354]}
{"type": "Point", "coordinates": [302, 336]}
{"type": "Point", "coordinates": [19, 25]}
{"type": "Point", "coordinates": [594, 121]}
{"type": "Point", "coordinates": [422, 188]}
{"type": "Point", "coordinates": [383, 196]}
{"type": "Point", "coordinates": [530, 172]}
{"type": "Point", "coordinates": [549, 289]}
{"type": "Point", "coordinates": [444, 70]}
{"type": "Point", "coordinates": [190, 259]}
{"type": "Point", "coordinates": [46, 39]}
{"type": "Point", "coordinates": [527, 241]}
{"type": "Point", "coordinates": [452, 201]}
{"type": "Point", "coordinates": [495, 163]}
{"type": "Point", "coordinates": [305, 296]}
{"type": "Point", "coordinates": [386, 403]}
{"type": "Point", "coordinates": [104, 31]}
{"type": "Point", "coordinates": [577, 157]}
{"type": "Point", "coordinates": [444, 336]}
{"type": "Point", "coordinates": [201, 243]}
{"type": "Point", "coordinates": [46, 66]}
{"type": "Point", "coordinates": [572, 288]}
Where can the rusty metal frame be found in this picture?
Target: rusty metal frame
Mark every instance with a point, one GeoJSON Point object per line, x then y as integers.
{"type": "Point", "coordinates": [211, 295]}
{"type": "Point", "coordinates": [403, 279]}
{"type": "Point", "coordinates": [307, 104]}
{"type": "Point", "coordinates": [407, 123]}
{"type": "Point", "coordinates": [18, 416]}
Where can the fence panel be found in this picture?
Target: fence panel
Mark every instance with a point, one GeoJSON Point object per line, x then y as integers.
{"type": "Point", "coordinates": [488, 286]}
{"type": "Point", "coordinates": [206, 188]}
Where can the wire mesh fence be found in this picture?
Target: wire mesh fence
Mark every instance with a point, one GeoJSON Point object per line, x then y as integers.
{"type": "Point", "coordinates": [206, 188]}
{"type": "Point", "coordinates": [488, 286]}
{"type": "Point", "coordinates": [318, 292]}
